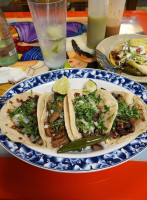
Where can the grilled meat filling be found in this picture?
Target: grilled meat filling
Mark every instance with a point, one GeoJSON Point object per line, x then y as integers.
{"type": "Point", "coordinates": [25, 119]}
{"type": "Point", "coordinates": [127, 116]}
{"type": "Point", "coordinates": [55, 126]}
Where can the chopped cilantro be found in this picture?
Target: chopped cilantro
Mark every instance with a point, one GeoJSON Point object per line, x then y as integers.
{"type": "Point", "coordinates": [101, 126]}
{"type": "Point", "coordinates": [25, 112]}
{"type": "Point", "coordinates": [110, 116]}
{"type": "Point", "coordinates": [56, 124]}
{"type": "Point", "coordinates": [85, 108]}
{"type": "Point", "coordinates": [52, 105]}
{"type": "Point", "coordinates": [15, 112]}
{"type": "Point", "coordinates": [124, 110]}
{"type": "Point", "coordinates": [94, 98]}
{"type": "Point", "coordinates": [106, 109]}
{"type": "Point", "coordinates": [60, 98]}
{"type": "Point", "coordinates": [120, 120]}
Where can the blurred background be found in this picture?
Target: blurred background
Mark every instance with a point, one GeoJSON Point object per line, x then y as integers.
{"type": "Point", "coordinates": [72, 5]}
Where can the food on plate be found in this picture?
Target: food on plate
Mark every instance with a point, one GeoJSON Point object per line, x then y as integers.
{"type": "Point", "coordinates": [18, 119]}
{"type": "Point", "coordinates": [92, 114]}
{"type": "Point", "coordinates": [61, 86]}
{"type": "Point", "coordinates": [88, 118]}
{"type": "Point", "coordinates": [90, 87]}
{"type": "Point", "coordinates": [131, 57]}
{"type": "Point", "coordinates": [131, 119]}
{"type": "Point", "coordinates": [83, 143]}
{"type": "Point", "coordinates": [53, 123]}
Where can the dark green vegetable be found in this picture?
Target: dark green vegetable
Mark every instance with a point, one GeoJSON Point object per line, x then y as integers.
{"type": "Point", "coordinates": [106, 109]}
{"type": "Point", "coordinates": [132, 71]}
{"type": "Point", "coordinates": [85, 110]}
{"type": "Point", "coordinates": [25, 112]}
{"type": "Point", "coordinates": [81, 143]}
{"type": "Point", "coordinates": [111, 116]}
{"type": "Point", "coordinates": [57, 124]}
{"type": "Point", "coordinates": [124, 110]}
{"type": "Point", "coordinates": [52, 105]}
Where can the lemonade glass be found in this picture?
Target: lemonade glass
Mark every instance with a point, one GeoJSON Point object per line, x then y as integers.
{"type": "Point", "coordinates": [49, 18]}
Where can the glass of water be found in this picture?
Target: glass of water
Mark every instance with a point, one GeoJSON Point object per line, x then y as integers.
{"type": "Point", "coordinates": [49, 18]}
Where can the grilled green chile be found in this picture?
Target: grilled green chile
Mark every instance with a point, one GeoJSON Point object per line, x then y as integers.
{"type": "Point", "coordinates": [81, 143]}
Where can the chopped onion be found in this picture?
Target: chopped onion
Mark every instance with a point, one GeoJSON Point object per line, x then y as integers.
{"type": "Point", "coordinates": [25, 120]}
{"type": "Point", "coordinates": [32, 138]}
{"type": "Point", "coordinates": [16, 119]}
{"type": "Point", "coordinates": [52, 111]}
{"type": "Point", "coordinates": [104, 145]}
{"type": "Point", "coordinates": [46, 126]}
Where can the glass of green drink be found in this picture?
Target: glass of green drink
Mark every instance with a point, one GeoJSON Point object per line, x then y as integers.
{"type": "Point", "coordinates": [97, 17]}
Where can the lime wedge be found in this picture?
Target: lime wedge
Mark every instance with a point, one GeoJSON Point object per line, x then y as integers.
{"type": "Point", "coordinates": [61, 86]}
{"type": "Point", "coordinates": [56, 49]}
{"type": "Point", "coordinates": [55, 32]}
{"type": "Point", "coordinates": [90, 87]}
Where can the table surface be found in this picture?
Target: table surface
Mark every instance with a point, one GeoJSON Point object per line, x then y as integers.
{"type": "Point", "coordinates": [19, 180]}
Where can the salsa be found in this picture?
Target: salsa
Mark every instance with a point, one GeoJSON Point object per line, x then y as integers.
{"type": "Point", "coordinates": [96, 31]}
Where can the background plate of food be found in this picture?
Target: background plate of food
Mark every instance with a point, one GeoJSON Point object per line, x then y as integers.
{"type": "Point", "coordinates": [128, 53]}
{"type": "Point", "coordinates": [112, 97]}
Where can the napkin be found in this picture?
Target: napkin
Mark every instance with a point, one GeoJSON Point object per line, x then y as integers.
{"type": "Point", "coordinates": [10, 74]}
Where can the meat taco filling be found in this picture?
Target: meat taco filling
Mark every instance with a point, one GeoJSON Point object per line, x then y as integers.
{"type": "Point", "coordinates": [55, 125]}
{"type": "Point", "coordinates": [126, 119]}
{"type": "Point", "coordinates": [24, 119]}
{"type": "Point", "coordinates": [89, 121]}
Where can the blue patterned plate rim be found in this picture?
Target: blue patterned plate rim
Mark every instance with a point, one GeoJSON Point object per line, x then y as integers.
{"type": "Point", "coordinates": [77, 165]}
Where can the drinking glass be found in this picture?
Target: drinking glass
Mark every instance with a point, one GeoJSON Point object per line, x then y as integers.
{"type": "Point", "coordinates": [49, 17]}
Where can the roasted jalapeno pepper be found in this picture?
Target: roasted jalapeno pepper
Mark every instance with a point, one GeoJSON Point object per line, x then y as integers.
{"type": "Point", "coordinates": [132, 71]}
{"type": "Point", "coordinates": [81, 143]}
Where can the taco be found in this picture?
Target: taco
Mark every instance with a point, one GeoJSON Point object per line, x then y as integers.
{"type": "Point", "coordinates": [131, 57]}
{"type": "Point", "coordinates": [18, 119]}
{"type": "Point", "coordinates": [131, 119]}
{"type": "Point", "coordinates": [92, 114]}
{"type": "Point", "coordinates": [54, 123]}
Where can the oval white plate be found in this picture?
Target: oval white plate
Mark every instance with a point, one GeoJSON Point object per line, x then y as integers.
{"type": "Point", "coordinates": [85, 161]}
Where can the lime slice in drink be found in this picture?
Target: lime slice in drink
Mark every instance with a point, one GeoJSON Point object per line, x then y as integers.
{"type": "Point", "coordinates": [61, 86]}
{"type": "Point", "coordinates": [90, 87]}
{"type": "Point", "coordinates": [56, 49]}
{"type": "Point", "coordinates": [55, 32]}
